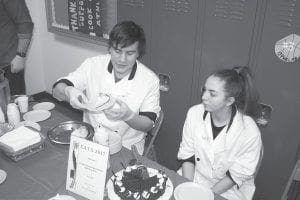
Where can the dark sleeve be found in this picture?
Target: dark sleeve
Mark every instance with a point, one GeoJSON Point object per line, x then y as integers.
{"type": "Point", "coordinates": [19, 13]}
{"type": "Point", "coordinates": [66, 81]}
{"type": "Point", "coordinates": [190, 159]}
{"type": "Point", "coordinates": [150, 115]}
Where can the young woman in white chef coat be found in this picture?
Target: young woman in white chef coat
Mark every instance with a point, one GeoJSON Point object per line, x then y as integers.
{"type": "Point", "coordinates": [221, 142]}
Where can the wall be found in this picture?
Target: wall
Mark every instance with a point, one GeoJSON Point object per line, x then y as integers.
{"type": "Point", "coordinates": [51, 56]}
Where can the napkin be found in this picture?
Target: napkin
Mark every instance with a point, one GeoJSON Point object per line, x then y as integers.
{"type": "Point", "coordinates": [19, 138]}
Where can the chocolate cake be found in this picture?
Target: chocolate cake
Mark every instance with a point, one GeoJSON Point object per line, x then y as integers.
{"type": "Point", "coordinates": [137, 184]}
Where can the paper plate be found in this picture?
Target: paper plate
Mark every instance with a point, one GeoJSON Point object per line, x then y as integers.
{"type": "Point", "coordinates": [44, 106]}
{"type": "Point", "coordinates": [2, 176]}
{"type": "Point", "coordinates": [62, 197]}
{"type": "Point", "coordinates": [91, 106]}
{"type": "Point", "coordinates": [192, 190]}
{"type": "Point", "coordinates": [30, 124]}
{"type": "Point", "coordinates": [152, 172]}
{"type": "Point", "coordinates": [36, 115]}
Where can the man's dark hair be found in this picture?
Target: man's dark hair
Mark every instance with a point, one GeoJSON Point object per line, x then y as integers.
{"type": "Point", "coordinates": [125, 34]}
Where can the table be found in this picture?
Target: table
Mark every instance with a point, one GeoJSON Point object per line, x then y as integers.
{"type": "Point", "coordinates": [43, 174]}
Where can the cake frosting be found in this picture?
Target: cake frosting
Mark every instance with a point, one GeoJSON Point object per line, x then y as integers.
{"type": "Point", "coordinates": [137, 184]}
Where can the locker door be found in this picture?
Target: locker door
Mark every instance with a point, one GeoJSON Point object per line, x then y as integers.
{"type": "Point", "coordinates": [279, 84]}
{"type": "Point", "coordinates": [174, 24]}
{"type": "Point", "coordinates": [138, 11]}
{"type": "Point", "coordinates": [227, 31]}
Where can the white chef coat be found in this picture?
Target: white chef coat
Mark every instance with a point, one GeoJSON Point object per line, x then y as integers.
{"type": "Point", "coordinates": [139, 90]}
{"type": "Point", "coordinates": [236, 149]}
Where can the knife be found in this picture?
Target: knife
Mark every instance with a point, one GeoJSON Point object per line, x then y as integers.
{"type": "Point", "coordinates": [136, 154]}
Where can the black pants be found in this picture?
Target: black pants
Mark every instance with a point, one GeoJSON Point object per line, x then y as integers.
{"type": "Point", "coordinates": [16, 81]}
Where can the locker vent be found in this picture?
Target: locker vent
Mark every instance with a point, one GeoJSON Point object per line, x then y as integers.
{"type": "Point", "coordinates": [137, 3]}
{"type": "Point", "coordinates": [230, 9]}
{"type": "Point", "coordinates": [181, 6]}
{"type": "Point", "coordinates": [286, 13]}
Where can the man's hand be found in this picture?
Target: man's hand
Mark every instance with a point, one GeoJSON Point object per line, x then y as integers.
{"type": "Point", "coordinates": [17, 64]}
{"type": "Point", "coordinates": [76, 97]}
{"type": "Point", "coordinates": [120, 111]}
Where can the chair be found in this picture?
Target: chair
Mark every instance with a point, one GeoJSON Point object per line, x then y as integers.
{"type": "Point", "coordinates": [149, 151]}
{"type": "Point", "coordinates": [292, 189]}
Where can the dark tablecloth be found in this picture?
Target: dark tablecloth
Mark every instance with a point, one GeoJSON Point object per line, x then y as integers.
{"type": "Point", "coordinates": [43, 174]}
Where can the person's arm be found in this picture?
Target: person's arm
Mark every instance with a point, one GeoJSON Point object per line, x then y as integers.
{"type": "Point", "coordinates": [223, 185]}
{"type": "Point", "coordinates": [188, 170]}
{"type": "Point", "coordinates": [19, 13]}
{"type": "Point", "coordinates": [140, 122]}
{"type": "Point", "coordinates": [58, 92]}
{"type": "Point", "coordinates": [74, 96]}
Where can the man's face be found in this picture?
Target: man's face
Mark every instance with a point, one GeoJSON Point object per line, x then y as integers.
{"type": "Point", "coordinates": [123, 59]}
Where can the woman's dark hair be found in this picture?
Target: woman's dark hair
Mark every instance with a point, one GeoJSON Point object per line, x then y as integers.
{"type": "Point", "coordinates": [239, 83]}
{"type": "Point", "coordinates": [125, 34]}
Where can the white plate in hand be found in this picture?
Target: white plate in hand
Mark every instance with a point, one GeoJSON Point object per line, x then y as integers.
{"type": "Point", "coordinates": [192, 190]}
{"type": "Point", "coordinates": [36, 115]}
{"type": "Point", "coordinates": [43, 106]}
{"type": "Point", "coordinates": [2, 176]}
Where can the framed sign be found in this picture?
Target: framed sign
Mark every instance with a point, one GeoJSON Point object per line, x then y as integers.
{"type": "Point", "coordinates": [87, 20]}
{"type": "Point", "coordinates": [87, 166]}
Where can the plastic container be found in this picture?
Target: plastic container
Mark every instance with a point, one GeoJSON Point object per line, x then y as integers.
{"type": "Point", "coordinates": [25, 152]}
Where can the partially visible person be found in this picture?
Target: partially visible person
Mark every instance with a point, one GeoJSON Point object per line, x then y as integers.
{"type": "Point", "coordinates": [221, 142]}
{"type": "Point", "coordinates": [16, 29]}
{"type": "Point", "coordinates": [121, 75]}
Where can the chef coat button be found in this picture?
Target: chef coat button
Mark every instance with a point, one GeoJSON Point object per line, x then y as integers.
{"type": "Point", "coordinates": [198, 159]}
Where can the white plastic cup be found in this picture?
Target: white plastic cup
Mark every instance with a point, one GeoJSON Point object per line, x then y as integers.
{"type": "Point", "coordinates": [22, 102]}
{"type": "Point", "coordinates": [13, 114]}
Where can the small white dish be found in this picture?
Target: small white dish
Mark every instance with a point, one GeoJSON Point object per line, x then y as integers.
{"type": "Point", "coordinates": [2, 176]}
{"type": "Point", "coordinates": [36, 115]}
{"type": "Point", "coordinates": [192, 190]}
{"type": "Point", "coordinates": [44, 106]}
{"type": "Point", "coordinates": [30, 124]}
{"type": "Point", "coordinates": [62, 197]}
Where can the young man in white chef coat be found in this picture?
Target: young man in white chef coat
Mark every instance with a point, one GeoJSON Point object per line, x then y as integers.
{"type": "Point", "coordinates": [221, 142]}
{"type": "Point", "coordinates": [119, 74]}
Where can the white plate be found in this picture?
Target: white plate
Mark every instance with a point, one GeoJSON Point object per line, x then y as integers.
{"type": "Point", "coordinates": [62, 197]}
{"type": "Point", "coordinates": [44, 106]}
{"type": "Point", "coordinates": [192, 190]}
{"type": "Point", "coordinates": [152, 172]}
{"type": "Point", "coordinates": [30, 124]}
{"type": "Point", "coordinates": [36, 115]}
{"type": "Point", "coordinates": [2, 176]}
{"type": "Point", "coordinates": [91, 105]}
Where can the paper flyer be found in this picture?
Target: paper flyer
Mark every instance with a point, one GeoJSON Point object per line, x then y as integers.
{"type": "Point", "coordinates": [87, 167]}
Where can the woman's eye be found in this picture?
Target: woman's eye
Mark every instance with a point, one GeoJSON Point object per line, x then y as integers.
{"type": "Point", "coordinates": [212, 94]}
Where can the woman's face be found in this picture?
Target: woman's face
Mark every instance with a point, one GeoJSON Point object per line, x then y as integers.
{"type": "Point", "coordinates": [214, 97]}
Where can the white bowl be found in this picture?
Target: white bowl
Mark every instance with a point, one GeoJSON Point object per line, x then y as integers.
{"type": "Point", "coordinates": [115, 142]}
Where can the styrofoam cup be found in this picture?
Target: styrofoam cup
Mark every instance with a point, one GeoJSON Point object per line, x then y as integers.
{"type": "Point", "coordinates": [22, 102]}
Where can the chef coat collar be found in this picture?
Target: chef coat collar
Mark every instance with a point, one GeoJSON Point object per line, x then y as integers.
{"type": "Point", "coordinates": [233, 112]}
{"type": "Point", "coordinates": [132, 73]}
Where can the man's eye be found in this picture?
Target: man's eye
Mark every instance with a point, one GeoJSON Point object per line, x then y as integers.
{"type": "Point", "coordinates": [130, 53]}
{"type": "Point", "coordinates": [117, 51]}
